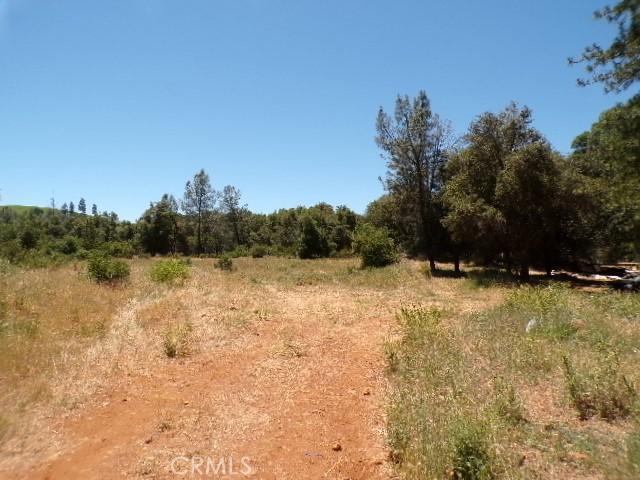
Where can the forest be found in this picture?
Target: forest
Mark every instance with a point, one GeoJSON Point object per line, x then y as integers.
{"type": "Point", "coordinates": [499, 195]}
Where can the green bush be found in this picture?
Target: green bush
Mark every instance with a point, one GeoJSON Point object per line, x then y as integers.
{"type": "Point", "coordinates": [102, 268]}
{"type": "Point", "coordinates": [258, 251]}
{"type": "Point", "coordinates": [170, 270]}
{"type": "Point", "coordinates": [68, 245]}
{"type": "Point", "coordinates": [374, 245]}
{"type": "Point", "coordinates": [225, 263]}
{"type": "Point", "coordinates": [471, 459]}
{"type": "Point", "coordinates": [117, 249]}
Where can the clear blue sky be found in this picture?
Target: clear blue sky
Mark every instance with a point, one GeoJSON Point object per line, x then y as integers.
{"type": "Point", "coordinates": [120, 101]}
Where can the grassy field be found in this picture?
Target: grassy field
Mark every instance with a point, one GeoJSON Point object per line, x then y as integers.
{"type": "Point", "coordinates": [483, 378]}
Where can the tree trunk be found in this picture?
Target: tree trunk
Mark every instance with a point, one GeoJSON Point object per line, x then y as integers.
{"type": "Point", "coordinates": [524, 272]}
{"type": "Point", "coordinates": [432, 262]}
{"type": "Point", "coordinates": [456, 263]}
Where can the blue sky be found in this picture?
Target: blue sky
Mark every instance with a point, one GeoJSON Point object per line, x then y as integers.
{"type": "Point", "coordinates": [120, 101]}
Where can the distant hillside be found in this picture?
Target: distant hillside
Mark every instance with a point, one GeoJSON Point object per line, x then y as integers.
{"type": "Point", "coordinates": [23, 208]}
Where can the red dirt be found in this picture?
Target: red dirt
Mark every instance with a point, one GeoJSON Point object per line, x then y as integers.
{"type": "Point", "coordinates": [309, 406]}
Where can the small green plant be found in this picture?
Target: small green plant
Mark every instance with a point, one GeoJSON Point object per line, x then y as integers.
{"type": "Point", "coordinates": [633, 452]}
{"type": "Point", "coordinates": [225, 263]}
{"type": "Point", "coordinates": [374, 245]}
{"type": "Point", "coordinates": [176, 340]}
{"type": "Point", "coordinates": [102, 268]}
{"type": "Point", "coordinates": [600, 388]}
{"type": "Point", "coordinates": [258, 251]}
{"type": "Point", "coordinates": [471, 459]}
{"type": "Point", "coordinates": [508, 404]}
{"type": "Point", "coordinates": [169, 271]}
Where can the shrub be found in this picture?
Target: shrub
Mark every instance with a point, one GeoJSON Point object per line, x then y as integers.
{"type": "Point", "coordinates": [118, 249]}
{"type": "Point", "coordinates": [68, 245]}
{"type": "Point", "coordinates": [225, 263]}
{"type": "Point", "coordinates": [313, 240]}
{"type": "Point", "coordinates": [170, 270]}
{"type": "Point", "coordinates": [600, 388]}
{"type": "Point", "coordinates": [101, 268]}
{"type": "Point", "coordinates": [508, 404]}
{"type": "Point", "coordinates": [374, 245]}
{"type": "Point", "coordinates": [258, 251]}
{"type": "Point", "coordinates": [175, 341]}
{"type": "Point", "coordinates": [471, 459]}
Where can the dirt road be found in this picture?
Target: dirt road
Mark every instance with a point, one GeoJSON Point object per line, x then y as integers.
{"type": "Point", "coordinates": [295, 392]}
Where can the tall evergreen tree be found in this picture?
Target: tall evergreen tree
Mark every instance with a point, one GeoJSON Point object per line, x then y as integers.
{"type": "Point", "coordinates": [198, 202]}
{"type": "Point", "coordinates": [415, 144]}
{"type": "Point", "coordinates": [82, 206]}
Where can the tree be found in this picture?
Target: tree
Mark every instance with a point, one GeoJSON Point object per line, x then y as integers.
{"type": "Point", "coordinates": [94, 210]}
{"type": "Point", "coordinates": [526, 193]}
{"type": "Point", "coordinates": [234, 211]}
{"type": "Point", "coordinates": [82, 206]}
{"type": "Point", "coordinates": [198, 202]}
{"type": "Point", "coordinates": [72, 208]}
{"type": "Point", "coordinates": [64, 209]}
{"type": "Point", "coordinates": [609, 156]}
{"type": "Point", "coordinates": [472, 198]}
{"type": "Point", "coordinates": [617, 66]}
{"type": "Point", "coordinates": [415, 144]}
{"type": "Point", "coordinates": [313, 240]}
{"type": "Point", "coordinates": [159, 226]}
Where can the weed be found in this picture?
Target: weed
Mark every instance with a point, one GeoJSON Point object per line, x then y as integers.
{"type": "Point", "coordinates": [176, 340]}
{"type": "Point", "coordinates": [225, 263]}
{"type": "Point", "coordinates": [172, 270]}
{"type": "Point", "coordinates": [600, 388]}
{"type": "Point", "coordinates": [507, 403]}
{"type": "Point", "coordinates": [102, 268]}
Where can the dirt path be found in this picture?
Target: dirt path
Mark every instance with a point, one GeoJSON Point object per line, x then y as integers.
{"type": "Point", "coordinates": [296, 395]}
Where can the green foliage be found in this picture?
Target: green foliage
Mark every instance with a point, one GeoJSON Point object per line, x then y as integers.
{"type": "Point", "coordinates": [170, 270]}
{"type": "Point", "coordinates": [102, 268]}
{"type": "Point", "coordinates": [225, 263]}
{"type": "Point", "coordinates": [313, 240]}
{"type": "Point", "coordinates": [415, 142]}
{"type": "Point", "coordinates": [374, 245]}
{"type": "Point", "coordinates": [618, 65]}
{"type": "Point", "coordinates": [609, 156]}
{"type": "Point", "coordinates": [117, 249]}
{"type": "Point", "coordinates": [471, 460]}
{"type": "Point", "coordinates": [599, 387]}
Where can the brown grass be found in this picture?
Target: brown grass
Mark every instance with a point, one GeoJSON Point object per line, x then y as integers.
{"type": "Point", "coordinates": [280, 328]}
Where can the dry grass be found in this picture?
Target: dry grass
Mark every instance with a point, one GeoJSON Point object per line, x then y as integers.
{"type": "Point", "coordinates": [473, 391]}
{"type": "Point", "coordinates": [506, 392]}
